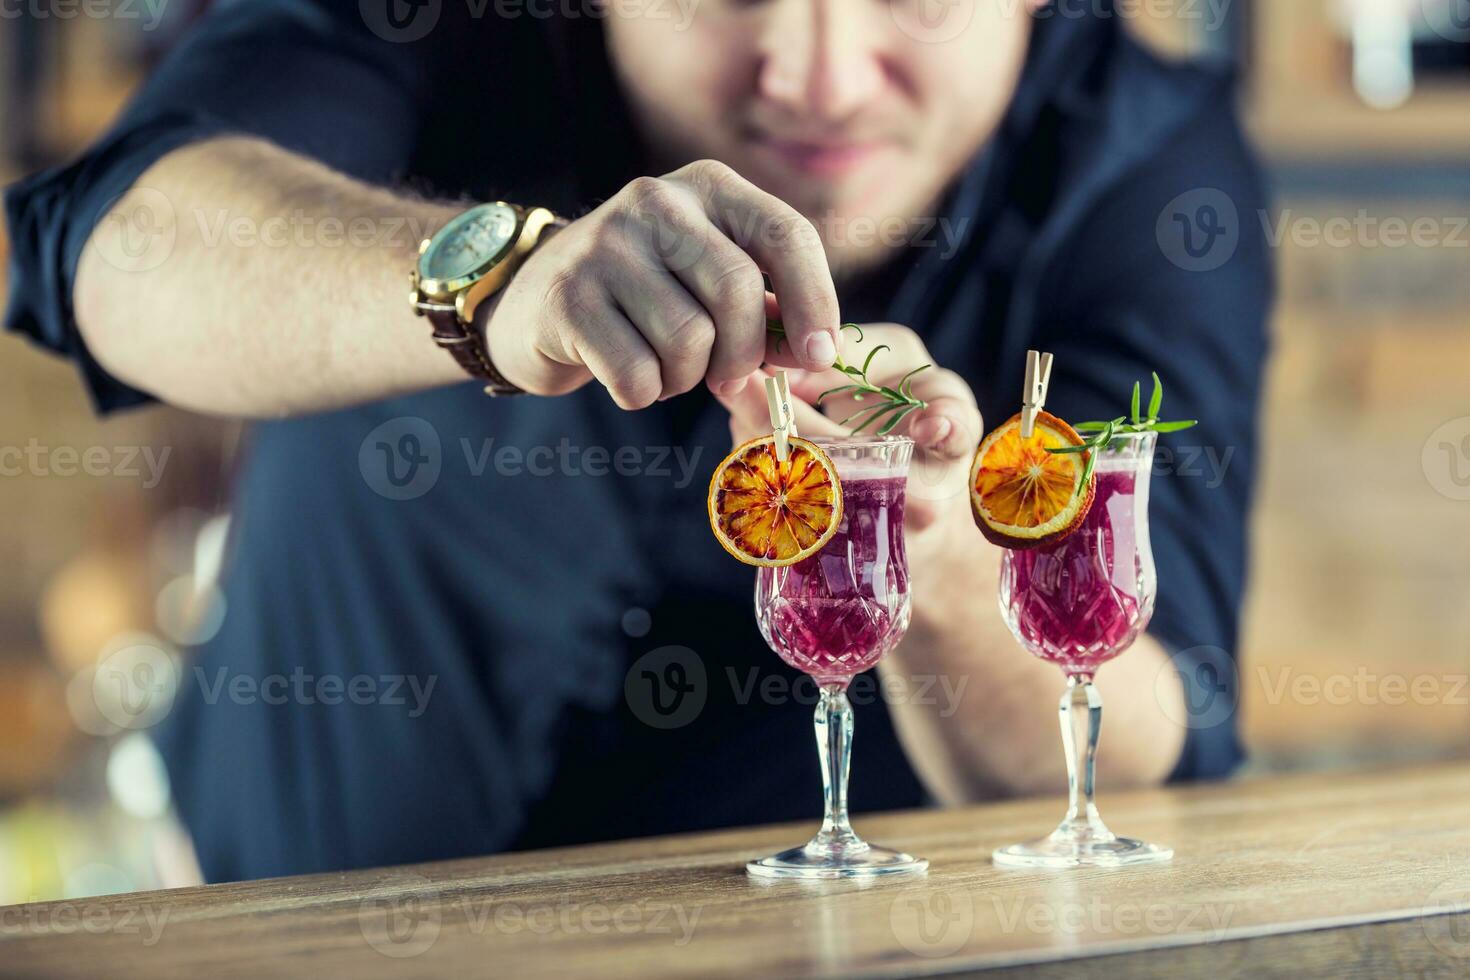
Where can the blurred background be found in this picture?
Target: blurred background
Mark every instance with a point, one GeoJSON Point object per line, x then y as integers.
{"type": "Point", "coordinates": [1357, 639]}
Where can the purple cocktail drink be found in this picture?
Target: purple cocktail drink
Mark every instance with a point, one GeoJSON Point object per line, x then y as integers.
{"type": "Point", "coordinates": [1081, 602]}
{"type": "Point", "coordinates": [1078, 603]}
{"type": "Point", "coordinates": [833, 616]}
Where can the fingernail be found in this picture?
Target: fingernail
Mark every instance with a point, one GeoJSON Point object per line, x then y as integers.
{"type": "Point", "coordinates": [820, 350]}
{"type": "Point", "coordinates": [729, 389]}
{"type": "Point", "coordinates": [931, 432]}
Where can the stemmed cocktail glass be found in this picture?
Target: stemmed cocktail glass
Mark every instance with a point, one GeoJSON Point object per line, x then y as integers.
{"type": "Point", "coordinates": [1078, 604]}
{"type": "Point", "coordinates": [833, 616]}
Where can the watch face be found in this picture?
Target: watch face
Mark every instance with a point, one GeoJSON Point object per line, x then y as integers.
{"type": "Point", "coordinates": [468, 242]}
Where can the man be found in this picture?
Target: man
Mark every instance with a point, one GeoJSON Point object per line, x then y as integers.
{"type": "Point", "coordinates": [1005, 178]}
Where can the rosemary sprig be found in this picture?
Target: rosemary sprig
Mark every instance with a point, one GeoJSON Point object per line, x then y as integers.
{"type": "Point", "coordinates": [892, 404]}
{"type": "Point", "coordinates": [1134, 422]}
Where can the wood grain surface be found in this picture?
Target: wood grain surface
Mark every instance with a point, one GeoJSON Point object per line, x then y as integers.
{"type": "Point", "coordinates": [1321, 875]}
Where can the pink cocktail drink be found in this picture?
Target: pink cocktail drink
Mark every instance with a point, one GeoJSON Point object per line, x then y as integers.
{"type": "Point", "coordinates": [1081, 602]}
{"type": "Point", "coordinates": [833, 616]}
{"type": "Point", "coordinates": [837, 613]}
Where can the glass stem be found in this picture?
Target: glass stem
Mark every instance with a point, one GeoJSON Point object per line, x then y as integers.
{"type": "Point", "coordinates": [1079, 738]}
{"type": "Point", "coordinates": [834, 747]}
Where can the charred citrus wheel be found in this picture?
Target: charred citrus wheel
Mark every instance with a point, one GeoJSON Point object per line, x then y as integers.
{"type": "Point", "coordinates": [770, 513]}
{"type": "Point", "coordinates": [1023, 496]}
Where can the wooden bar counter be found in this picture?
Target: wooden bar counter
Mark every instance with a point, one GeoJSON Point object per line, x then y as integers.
{"type": "Point", "coordinates": [1321, 875]}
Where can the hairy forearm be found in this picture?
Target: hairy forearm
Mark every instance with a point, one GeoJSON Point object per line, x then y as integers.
{"type": "Point", "coordinates": [236, 278]}
{"type": "Point", "coordinates": [977, 714]}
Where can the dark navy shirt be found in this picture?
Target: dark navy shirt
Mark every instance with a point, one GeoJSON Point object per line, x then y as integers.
{"type": "Point", "coordinates": [548, 644]}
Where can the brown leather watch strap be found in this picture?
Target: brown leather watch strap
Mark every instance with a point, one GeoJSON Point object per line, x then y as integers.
{"type": "Point", "coordinates": [467, 348]}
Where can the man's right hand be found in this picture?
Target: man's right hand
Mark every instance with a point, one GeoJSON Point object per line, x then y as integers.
{"type": "Point", "coordinates": [660, 287]}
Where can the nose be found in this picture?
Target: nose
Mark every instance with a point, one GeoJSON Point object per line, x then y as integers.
{"type": "Point", "coordinates": [819, 61]}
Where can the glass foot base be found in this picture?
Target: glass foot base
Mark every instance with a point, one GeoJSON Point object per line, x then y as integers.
{"type": "Point", "coordinates": [863, 861]}
{"type": "Point", "coordinates": [1059, 851]}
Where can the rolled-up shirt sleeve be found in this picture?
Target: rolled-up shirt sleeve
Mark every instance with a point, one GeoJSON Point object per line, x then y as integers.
{"type": "Point", "coordinates": [311, 77]}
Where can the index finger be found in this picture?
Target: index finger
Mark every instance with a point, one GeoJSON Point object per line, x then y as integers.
{"type": "Point", "coordinates": [786, 245]}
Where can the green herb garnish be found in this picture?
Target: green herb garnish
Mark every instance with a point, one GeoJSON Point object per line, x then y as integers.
{"type": "Point", "coordinates": [1132, 423]}
{"type": "Point", "coordinates": [892, 404]}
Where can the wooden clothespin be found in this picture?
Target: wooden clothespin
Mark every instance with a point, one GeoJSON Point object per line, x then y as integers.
{"type": "Point", "coordinates": [783, 416]}
{"type": "Point", "coordinates": [1033, 398]}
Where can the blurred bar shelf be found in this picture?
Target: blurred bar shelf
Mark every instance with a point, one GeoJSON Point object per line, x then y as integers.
{"type": "Point", "coordinates": [1321, 875]}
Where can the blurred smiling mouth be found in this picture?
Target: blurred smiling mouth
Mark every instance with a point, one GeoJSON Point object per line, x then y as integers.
{"type": "Point", "coordinates": [819, 158]}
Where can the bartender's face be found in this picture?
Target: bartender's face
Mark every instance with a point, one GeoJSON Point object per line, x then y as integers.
{"type": "Point", "coordinates": [856, 112]}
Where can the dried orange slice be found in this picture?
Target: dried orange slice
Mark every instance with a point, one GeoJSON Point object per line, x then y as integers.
{"type": "Point", "coordinates": [766, 512]}
{"type": "Point", "coordinates": [1023, 496]}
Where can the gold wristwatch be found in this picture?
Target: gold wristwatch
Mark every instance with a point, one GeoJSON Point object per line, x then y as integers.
{"type": "Point", "coordinates": [464, 263]}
